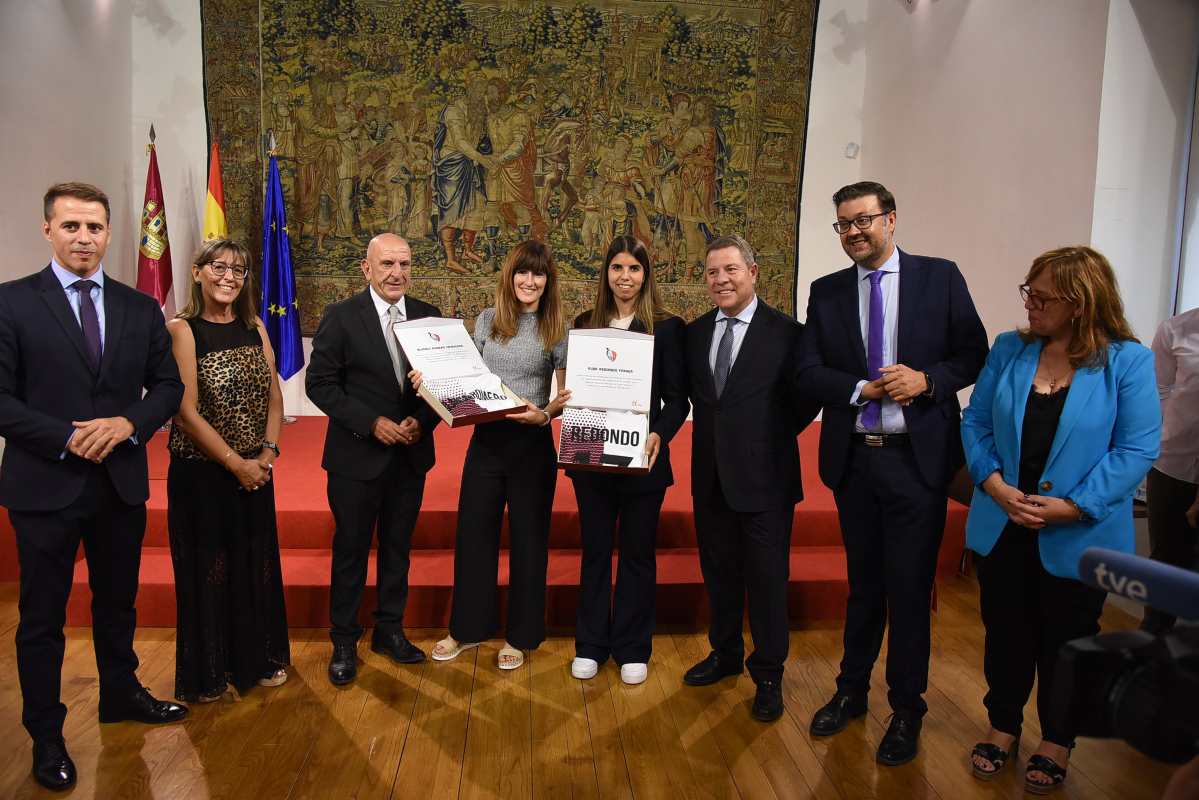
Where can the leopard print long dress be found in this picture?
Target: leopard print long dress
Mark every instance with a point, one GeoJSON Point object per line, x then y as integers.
{"type": "Point", "coordinates": [232, 624]}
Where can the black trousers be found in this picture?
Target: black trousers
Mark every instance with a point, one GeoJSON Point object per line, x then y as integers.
{"type": "Point", "coordinates": [622, 625]}
{"type": "Point", "coordinates": [1028, 615]}
{"type": "Point", "coordinates": [746, 555]}
{"type": "Point", "coordinates": [1171, 539]}
{"type": "Point", "coordinates": [47, 542]}
{"type": "Point", "coordinates": [390, 502]}
{"type": "Point", "coordinates": [513, 465]}
{"type": "Point", "coordinates": [891, 524]}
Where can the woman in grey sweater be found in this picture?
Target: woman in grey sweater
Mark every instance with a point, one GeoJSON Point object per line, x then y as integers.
{"type": "Point", "coordinates": [511, 462]}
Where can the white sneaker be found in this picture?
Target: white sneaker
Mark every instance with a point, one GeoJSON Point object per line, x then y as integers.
{"type": "Point", "coordinates": [633, 674]}
{"type": "Point", "coordinates": [584, 668]}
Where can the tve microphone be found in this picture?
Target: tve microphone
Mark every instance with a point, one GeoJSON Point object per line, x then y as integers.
{"type": "Point", "coordinates": [1159, 586]}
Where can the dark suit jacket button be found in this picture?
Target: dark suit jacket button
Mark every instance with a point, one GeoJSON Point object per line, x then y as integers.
{"type": "Point", "coordinates": [1046, 486]}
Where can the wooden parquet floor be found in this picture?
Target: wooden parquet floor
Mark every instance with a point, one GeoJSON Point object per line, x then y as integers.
{"type": "Point", "coordinates": [464, 729]}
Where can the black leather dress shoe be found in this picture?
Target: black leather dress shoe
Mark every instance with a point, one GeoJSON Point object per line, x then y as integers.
{"type": "Point", "coordinates": [899, 744]}
{"type": "Point", "coordinates": [343, 666]}
{"type": "Point", "coordinates": [395, 645]}
{"type": "Point", "coordinates": [768, 702]}
{"type": "Point", "coordinates": [712, 669]}
{"type": "Point", "coordinates": [140, 706]}
{"type": "Point", "coordinates": [52, 767]}
{"type": "Point", "coordinates": [834, 715]}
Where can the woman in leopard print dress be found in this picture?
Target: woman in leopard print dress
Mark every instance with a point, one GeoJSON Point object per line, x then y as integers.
{"type": "Point", "coordinates": [232, 626]}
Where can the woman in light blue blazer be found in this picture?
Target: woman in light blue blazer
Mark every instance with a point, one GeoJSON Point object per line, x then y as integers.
{"type": "Point", "coordinates": [1063, 425]}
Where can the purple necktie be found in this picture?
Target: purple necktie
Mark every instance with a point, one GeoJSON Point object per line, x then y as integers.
{"type": "Point", "coordinates": [872, 414]}
{"type": "Point", "coordinates": [90, 322]}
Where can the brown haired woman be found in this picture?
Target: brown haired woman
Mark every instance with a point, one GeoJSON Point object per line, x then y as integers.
{"type": "Point", "coordinates": [232, 626]}
{"type": "Point", "coordinates": [627, 297]}
{"type": "Point", "coordinates": [1063, 425]}
{"type": "Point", "coordinates": [511, 463]}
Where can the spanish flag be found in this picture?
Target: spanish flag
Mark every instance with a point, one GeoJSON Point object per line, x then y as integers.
{"type": "Point", "coordinates": [214, 204]}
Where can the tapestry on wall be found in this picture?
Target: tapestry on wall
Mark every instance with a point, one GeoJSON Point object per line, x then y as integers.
{"type": "Point", "coordinates": [468, 126]}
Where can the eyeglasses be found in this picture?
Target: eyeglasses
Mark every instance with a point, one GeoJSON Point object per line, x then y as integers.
{"type": "Point", "coordinates": [1037, 301]}
{"type": "Point", "coordinates": [862, 223]}
{"type": "Point", "coordinates": [219, 268]}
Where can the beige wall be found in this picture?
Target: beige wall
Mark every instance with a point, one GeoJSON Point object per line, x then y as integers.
{"type": "Point", "coordinates": [983, 118]}
{"type": "Point", "coordinates": [65, 98]}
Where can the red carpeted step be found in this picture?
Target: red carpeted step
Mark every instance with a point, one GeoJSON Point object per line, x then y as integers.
{"type": "Point", "coordinates": [306, 522]}
{"type": "Point", "coordinates": [818, 587]}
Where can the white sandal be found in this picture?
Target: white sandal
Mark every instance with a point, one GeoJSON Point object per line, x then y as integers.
{"type": "Point", "coordinates": [277, 678]}
{"type": "Point", "coordinates": [509, 657]}
{"type": "Point", "coordinates": [450, 648]}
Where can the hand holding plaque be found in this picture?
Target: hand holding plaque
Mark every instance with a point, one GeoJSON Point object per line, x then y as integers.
{"type": "Point", "coordinates": [450, 373]}
{"type": "Point", "coordinates": [605, 425]}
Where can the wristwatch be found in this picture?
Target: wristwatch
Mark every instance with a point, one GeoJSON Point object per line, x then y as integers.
{"type": "Point", "coordinates": [931, 386]}
{"type": "Point", "coordinates": [271, 446]}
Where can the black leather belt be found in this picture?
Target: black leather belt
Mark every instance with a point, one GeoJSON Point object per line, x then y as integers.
{"type": "Point", "coordinates": [883, 439]}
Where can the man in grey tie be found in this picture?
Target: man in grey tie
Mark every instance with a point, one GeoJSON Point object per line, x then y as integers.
{"type": "Point", "coordinates": [377, 451]}
{"type": "Point", "coordinates": [742, 357]}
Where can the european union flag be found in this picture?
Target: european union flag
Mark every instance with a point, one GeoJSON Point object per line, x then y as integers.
{"type": "Point", "coordinates": [280, 311]}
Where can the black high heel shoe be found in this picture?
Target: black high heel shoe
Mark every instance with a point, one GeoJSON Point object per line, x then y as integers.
{"type": "Point", "coordinates": [994, 755]}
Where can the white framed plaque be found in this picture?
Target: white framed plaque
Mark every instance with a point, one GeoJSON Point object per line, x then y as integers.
{"type": "Point", "coordinates": [609, 372]}
{"type": "Point", "coordinates": [455, 381]}
{"type": "Point", "coordinates": [610, 368]}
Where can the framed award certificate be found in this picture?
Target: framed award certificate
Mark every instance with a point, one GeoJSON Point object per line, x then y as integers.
{"type": "Point", "coordinates": [455, 381]}
{"type": "Point", "coordinates": [604, 427]}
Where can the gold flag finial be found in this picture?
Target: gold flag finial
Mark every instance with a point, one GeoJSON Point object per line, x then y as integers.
{"type": "Point", "coordinates": [150, 146]}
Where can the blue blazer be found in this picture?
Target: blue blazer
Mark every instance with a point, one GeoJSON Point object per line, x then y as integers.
{"type": "Point", "coordinates": [1106, 441]}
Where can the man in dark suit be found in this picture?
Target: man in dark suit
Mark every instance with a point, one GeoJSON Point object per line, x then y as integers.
{"type": "Point", "coordinates": [742, 358]}
{"type": "Point", "coordinates": [377, 450]}
{"type": "Point", "coordinates": [889, 342]}
{"type": "Point", "coordinates": [77, 349]}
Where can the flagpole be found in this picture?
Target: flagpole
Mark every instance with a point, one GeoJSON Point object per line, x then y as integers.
{"type": "Point", "coordinates": [271, 154]}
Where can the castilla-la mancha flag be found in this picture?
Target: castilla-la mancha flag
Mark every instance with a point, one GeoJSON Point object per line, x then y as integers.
{"type": "Point", "coordinates": [215, 226]}
{"type": "Point", "coordinates": [154, 250]}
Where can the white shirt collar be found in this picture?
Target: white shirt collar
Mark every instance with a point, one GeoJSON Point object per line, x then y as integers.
{"type": "Point", "coordinates": [747, 314]}
{"type": "Point", "coordinates": [382, 305]}
{"type": "Point", "coordinates": [890, 265]}
{"type": "Point", "coordinates": [66, 277]}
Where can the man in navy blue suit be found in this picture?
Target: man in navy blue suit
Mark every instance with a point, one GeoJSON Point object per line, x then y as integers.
{"type": "Point", "coordinates": [888, 343]}
{"type": "Point", "coordinates": [86, 378]}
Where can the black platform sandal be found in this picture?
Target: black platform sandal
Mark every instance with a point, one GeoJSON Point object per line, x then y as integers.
{"type": "Point", "coordinates": [1046, 766]}
{"type": "Point", "coordinates": [994, 755]}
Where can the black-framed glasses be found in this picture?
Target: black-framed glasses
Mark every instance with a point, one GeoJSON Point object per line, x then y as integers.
{"type": "Point", "coordinates": [862, 223]}
{"type": "Point", "coordinates": [220, 268]}
{"type": "Point", "coordinates": [1037, 301]}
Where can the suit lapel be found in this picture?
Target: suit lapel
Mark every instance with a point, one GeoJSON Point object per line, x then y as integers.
{"type": "Point", "coordinates": [1081, 388]}
{"type": "Point", "coordinates": [114, 323]}
{"type": "Point", "coordinates": [756, 339]}
{"type": "Point", "coordinates": [375, 344]}
{"type": "Point", "coordinates": [56, 299]}
{"type": "Point", "coordinates": [699, 354]}
{"type": "Point", "coordinates": [911, 288]}
{"type": "Point", "coordinates": [851, 315]}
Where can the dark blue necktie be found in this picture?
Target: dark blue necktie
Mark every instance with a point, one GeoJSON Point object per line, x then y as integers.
{"type": "Point", "coordinates": [90, 322]}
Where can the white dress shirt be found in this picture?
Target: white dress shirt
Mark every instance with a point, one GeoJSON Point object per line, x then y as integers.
{"type": "Point", "coordinates": [381, 308]}
{"type": "Point", "coordinates": [892, 412]}
{"type": "Point", "coordinates": [1176, 358]}
{"type": "Point", "coordinates": [67, 278]}
{"type": "Point", "coordinates": [746, 316]}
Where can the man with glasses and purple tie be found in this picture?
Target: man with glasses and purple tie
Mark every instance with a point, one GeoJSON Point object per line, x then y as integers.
{"type": "Point", "coordinates": [888, 343]}
{"type": "Point", "coordinates": [86, 378]}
